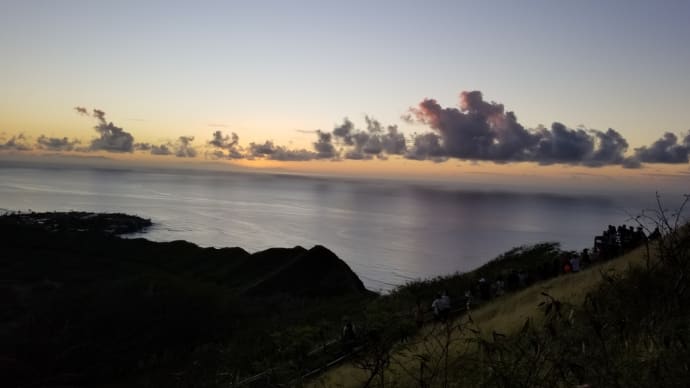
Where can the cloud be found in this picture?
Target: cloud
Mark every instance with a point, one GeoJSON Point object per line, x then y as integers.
{"type": "Point", "coordinates": [484, 131]}
{"type": "Point", "coordinates": [260, 150]}
{"type": "Point", "coordinates": [111, 138]}
{"type": "Point", "coordinates": [610, 148]}
{"type": "Point", "coordinates": [223, 141]}
{"type": "Point", "coordinates": [562, 145]}
{"type": "Point", "coordinates": [344, 131]}
{"type": "Point", "coordinates": [16, 143]}
{"type": "Point", "coordinates": [182, 148]}
{"type": "Point", "coordinates": [393, 142]}
{"type": "Point", "coordinates": [324, 146]}
{"type": "Point", "coordinates": [153, 149]}
{"type": "Point", "coordinates": [226, 147]}
{"type": "Point", "coordinates": [665, 150]}
{"type": "Point", "coordinates": [163, 149]}
{"type": "Point", "coordinates": [287, 155]}
{"type": "Point", "coordinates": [56, 143]}
{"type": "Point", "coordinates": [427, 146]}
{"type": "Point", "coordinates": [270, 151]}
{"type": "Point", "coordinates": [371, 143]}
{"type": "Point", "coordinates": [376, 141]}
{"type": "Point", "coordinates": [475, 130]}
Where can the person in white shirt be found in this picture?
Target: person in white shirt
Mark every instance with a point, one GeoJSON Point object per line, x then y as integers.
{"type": "Point", "coordinates": [575, 264]}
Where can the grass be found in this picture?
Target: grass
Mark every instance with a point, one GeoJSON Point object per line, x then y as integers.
{"type": "Point", "coordinates": [505, 315]}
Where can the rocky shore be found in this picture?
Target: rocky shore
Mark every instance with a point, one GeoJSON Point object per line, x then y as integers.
{"type": "Point", "coordinates": [107, 223]}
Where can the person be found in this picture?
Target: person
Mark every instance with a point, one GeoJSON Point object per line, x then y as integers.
{"type": "Point", "coordinates": [436, 306]}
{"type": "Point", "coordinates": [484, 289]}
{"type": "Point", "coordinates": [524, 278]}
{"type": "Point", "coordinates": [500, 286]}
{"type": "Point", "coordinates": [575, 263]}
{"type": "Point", "coordinates": [468, 299]}
{"type": "Point", "coordinates": [348, 336]}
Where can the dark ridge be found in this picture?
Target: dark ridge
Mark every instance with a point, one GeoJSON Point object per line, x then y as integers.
{"type": "Point", "coordinates": [316, 272]}
{"type": "Point", "coordinates": [295, 271]}
{"type": "Point", "coordinates": [83, 306]}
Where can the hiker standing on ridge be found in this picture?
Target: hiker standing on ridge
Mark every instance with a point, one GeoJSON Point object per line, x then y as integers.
{"type": "Point", "coordinates": [348, 337]}
{"type": "Point", "coordinates": [436, 307]}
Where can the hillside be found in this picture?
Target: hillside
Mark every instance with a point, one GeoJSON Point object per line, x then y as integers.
{"type": "Point", "coordinates": [82, 306]}
{"type": "Point", "coordinates": [86, 307]}
{"type": "Point", "coordinates": [621, 323]}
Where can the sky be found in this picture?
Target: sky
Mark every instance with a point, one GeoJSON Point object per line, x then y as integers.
{"type": "Point", "coordinates": [444, 89]}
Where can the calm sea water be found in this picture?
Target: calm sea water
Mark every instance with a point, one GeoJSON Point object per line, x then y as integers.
{"type": "Point", "coordinates": [387, 232]}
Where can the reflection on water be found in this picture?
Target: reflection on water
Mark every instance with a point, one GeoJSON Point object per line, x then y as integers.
{"type": "Point", "coordinates": [388, 233]}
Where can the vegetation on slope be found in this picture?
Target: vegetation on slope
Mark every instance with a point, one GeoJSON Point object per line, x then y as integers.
{"type": "Point", "coordinates": [84, 307]}
{"type": "Point", "coordinates": [622, 324]}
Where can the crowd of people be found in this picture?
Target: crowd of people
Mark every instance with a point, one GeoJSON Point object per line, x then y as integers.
{"type": "Point", "coordinates": [615, 241]}
{"type": "Point", "coordinates": [612, 242]}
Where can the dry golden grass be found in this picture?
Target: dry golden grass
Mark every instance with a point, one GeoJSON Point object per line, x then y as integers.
{"type": "Point", "coordinates": [503, 315]}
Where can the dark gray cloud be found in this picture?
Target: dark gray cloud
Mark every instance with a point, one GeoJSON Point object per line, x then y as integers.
{"type": "Point", "coordinates": [371, 143]}
{"type": "Point", "coordinates": [345, 140]}
{"type": "Point", "coordinates": [224, 141]}
{"type": "Point", "coordinates": [665, 150]}
{"type": "Point", "coordinates": [142, 146]}
{"type": "Point", "coordinates": [324, 146]}
{"type": "Point", "coordinates": [162, 149]}
{"type": "Point", "coordinates": [99, 114]}
{"type": "Point", "coordinates": [610, 149]}
{"type": "Point", "coordinates": [111, 137]}
{"type": "Point", "coordinates": [182, 148]}
{"type": "Point", "coordinates": [270, 151]}
{"type": "Point", "coordinates": [562, 145]}
{"type": "Point", "coordinates": [426, 146]}
{"type": "Point", "coordinates": [478, 131]}
{"type": "Point", "coordinates": [225, 147]}
{"type": "Point", "coordinates": [288, 155]}
{"type": "Point", "coordinates": [631, 162]}
{"type": "Point", "coordinates": [344, 132]}
{"type": "Point", "coordinates": [484, 131]}
{"type": "Point", "coordinates": [261, 150]}
{"type": "Point", "coordinates": [393, 141]}
{"type": "Point", "coordinates": [16, 143]}
{"type": "Point", "coordinates": [56, 143]}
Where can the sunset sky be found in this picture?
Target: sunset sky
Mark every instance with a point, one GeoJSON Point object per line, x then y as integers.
{"type": "Point", "coordinates": [133, 80]}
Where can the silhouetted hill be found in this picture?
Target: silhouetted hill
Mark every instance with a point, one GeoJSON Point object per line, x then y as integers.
{"type": "Point", "coordinates": [85, 307]}
{"type": "Point", "coordinates": [316, 272]}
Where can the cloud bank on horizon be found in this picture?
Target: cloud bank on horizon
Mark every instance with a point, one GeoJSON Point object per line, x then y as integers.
{"type": "Point", "coordinates": [476, 130]}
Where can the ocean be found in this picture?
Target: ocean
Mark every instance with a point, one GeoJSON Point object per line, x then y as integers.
{"type": "Point", "coordinates": [388, 232]}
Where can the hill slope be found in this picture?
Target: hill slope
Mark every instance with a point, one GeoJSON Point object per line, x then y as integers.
{"type": "Point", "coordinates": [553, 333]}
{"type": "Point", "coordinates": [87, 307]}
